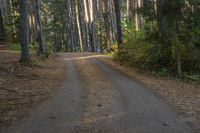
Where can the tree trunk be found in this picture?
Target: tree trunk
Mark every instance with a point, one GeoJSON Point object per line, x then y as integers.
{"type": "Point", "coordinates": [24, 27]}
{"type": "Point", "coordinates": [178, 52]}
{"type": "Point", "coordinates": [178, 59]}
{"type": "Point", "coordinates": [101, 24]}
{"type": "Point", "coordinates": [79, 26]}
{"type": "Point", "coordinates": [2, 34]}
{"type": "Point", "coordinates": [69, 25]}
{"type": "Point", "coordinates": [41, 49]}
{"type": "Point", "coordinates": [107, 25]}
{"type": "Point", "coordinates": [118, 21]}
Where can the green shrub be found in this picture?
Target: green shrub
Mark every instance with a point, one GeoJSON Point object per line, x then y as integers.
{"type": "Point", "coordinates": [191, 77]}
{"type": "Point", "coordinates": [146, 50]}
{"type": "Point", "coordinates": [135, 50]}
{"type": "Point", "coordinates": [163, 72]}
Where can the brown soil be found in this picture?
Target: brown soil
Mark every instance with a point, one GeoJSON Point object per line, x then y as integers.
{"type": "Point", "coordinates": [184, 97]}
{"type": "Point", "coordinates": [21, 87]}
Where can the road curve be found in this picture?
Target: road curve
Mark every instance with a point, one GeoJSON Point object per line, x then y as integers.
{"type": "Point", "coordinates": [98, 99]}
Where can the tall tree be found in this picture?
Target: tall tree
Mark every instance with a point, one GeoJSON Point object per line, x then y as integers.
{"type": "Point", "coordinates": [70, 26]}
{"type": "Point", "coordinates": [118, 21]}
{"type": "Point", "coordinates": [107, 24]}
{"type": "Point", "coordinates": [2, 34]}
{"type": "Point", "coordinates": [24, 28]}
{"type": "Point", "coordinates": [41, 49]}
{"type": "Point", "coordinates": [79, 25]}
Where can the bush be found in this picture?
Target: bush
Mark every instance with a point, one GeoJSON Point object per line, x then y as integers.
{"type": "Point", "coordinates": [191, 77]}
{"type": "Point", "coordinates": [144, 49]}
{"type": "Point", "coordinates": [135, 50]}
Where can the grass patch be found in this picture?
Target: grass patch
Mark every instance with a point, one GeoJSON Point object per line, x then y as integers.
{"type": "Point", "coordinates": [15, 46]}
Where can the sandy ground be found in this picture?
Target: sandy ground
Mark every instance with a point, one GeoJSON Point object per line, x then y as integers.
{"type": "Point", "coordinates": [98, 98]}
{"type": "Point", "coordinates": [21, 87]}
{"type": "Point", "coordinates": [183, 97]}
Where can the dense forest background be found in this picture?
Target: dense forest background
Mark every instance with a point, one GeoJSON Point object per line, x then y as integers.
{"type": "Point", "coordinates": [158, 35]}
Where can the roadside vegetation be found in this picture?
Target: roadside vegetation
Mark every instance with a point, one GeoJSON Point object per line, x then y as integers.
{"type": "Point", "coordinates": [167, 45]}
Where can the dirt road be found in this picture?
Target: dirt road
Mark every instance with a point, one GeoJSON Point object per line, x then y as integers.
{"type": "Point", "coordinates": [98, 99]}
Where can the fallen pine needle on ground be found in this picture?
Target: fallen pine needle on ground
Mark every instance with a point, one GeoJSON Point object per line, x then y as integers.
{"type": "Point", "coordinates": [21, 87]}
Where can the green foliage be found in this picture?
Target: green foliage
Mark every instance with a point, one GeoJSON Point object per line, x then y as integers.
{"type": "Point", "coordinates": [192, 77]}
{"type": "Point", "coordinates": [55, 28]}
{"type": "Point", "coordinates": [154, 47]}
{"type": "Point", "coordinates": [16, 46]}
{"type": "Point", "coordinates": [163, 72]}
{"type": "Point", "coordinates": [148, 11]}
{"type": "Point", "coordinates": [114, 47]}
{"type": "Point", "coordinates": [135, 50]}
{"type": "Point", "coordinates": [144, 49]}
{"type": "Point", "coordinates": [49, 48]}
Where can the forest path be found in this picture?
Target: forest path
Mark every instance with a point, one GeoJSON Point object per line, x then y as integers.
{"type": "Point", "coordinates": [98, 99]}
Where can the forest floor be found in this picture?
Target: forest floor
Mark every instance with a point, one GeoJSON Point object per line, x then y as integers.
{"type": "Point", "coordinates": [21, 87]}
